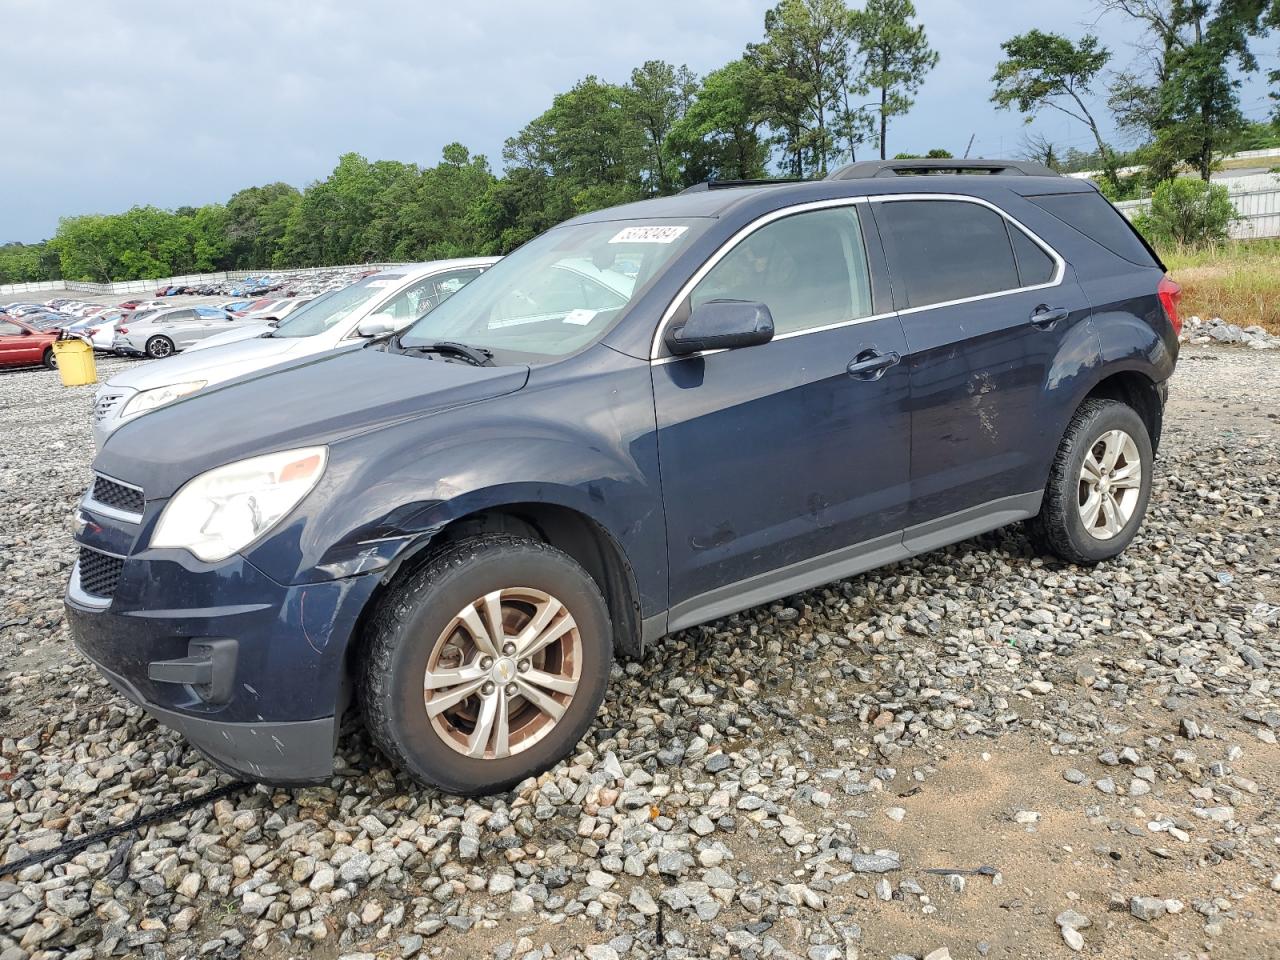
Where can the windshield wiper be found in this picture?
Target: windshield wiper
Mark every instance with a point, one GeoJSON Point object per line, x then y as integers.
{"type": "Point", "coordinates": [475, 355]}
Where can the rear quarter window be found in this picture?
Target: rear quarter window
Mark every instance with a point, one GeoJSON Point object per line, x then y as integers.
{"type": "Point", "coordinates": [1093, 215]}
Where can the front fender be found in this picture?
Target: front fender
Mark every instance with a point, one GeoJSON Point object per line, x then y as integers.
{"type": "Point", "coordinates": [583, 442]}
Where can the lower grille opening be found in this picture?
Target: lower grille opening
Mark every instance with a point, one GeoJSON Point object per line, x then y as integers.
{"type": "Point", "coordinates": [99, 573]}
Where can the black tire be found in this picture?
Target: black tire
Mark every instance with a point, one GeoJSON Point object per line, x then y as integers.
{"type": "Point", "coordinates": [50, 359]}
{"type": "Point", "coordinates": [408, 624]}
{"type": "Point", "coordinates": [159, 347]}
{"type": "Point", "coordinates": [1059, 528]}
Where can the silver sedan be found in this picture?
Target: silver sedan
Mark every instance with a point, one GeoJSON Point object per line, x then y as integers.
{"type": "Point", "coordinates": [167, 331]}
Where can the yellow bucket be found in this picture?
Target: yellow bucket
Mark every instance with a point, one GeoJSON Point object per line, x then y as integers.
{"type": "Point", "coordinates": [75, 362]}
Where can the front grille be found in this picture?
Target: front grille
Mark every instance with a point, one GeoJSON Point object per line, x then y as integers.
{"type": "Point", "coordinates": [99, 572]}
{"type": "Point", "coordinates": [110, 493]}
{"type": "Point", "coordinates": [104, 404]}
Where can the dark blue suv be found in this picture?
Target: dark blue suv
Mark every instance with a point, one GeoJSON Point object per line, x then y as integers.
{"type": "Point", "coordinates": [647, 418]}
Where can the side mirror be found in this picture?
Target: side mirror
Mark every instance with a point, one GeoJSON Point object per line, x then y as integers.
{"type": "Point", "coordinates": [722, 325]}
{"type": "Point", "coordinates": [376, 325]}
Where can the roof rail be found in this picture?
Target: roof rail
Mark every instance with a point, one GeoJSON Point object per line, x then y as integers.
{"type": "Point", "coordinates": [865, 169]}
{"type": "Point", "coordinates": [726, 184]}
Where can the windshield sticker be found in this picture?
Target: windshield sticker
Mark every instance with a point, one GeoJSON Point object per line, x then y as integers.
{"type": "Point", "coordinates": [580, 317]}
{"type": "Point", "coordinates": [648, 234]}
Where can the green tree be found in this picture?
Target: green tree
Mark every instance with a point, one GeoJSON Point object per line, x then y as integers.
{"type": "Point", "coordinates": [256, 222]}
{"type": "Point", "coordinates": [589, 142]}
{"type": "Point", "coordinates": [895, 56]}
{"type": "Point", "coordinates": [656, 99]}
{"type": "Point", "coordinates": [1188, 104]}
{"type": "Point", "coordinates": [1188, 211]}
{"type": "Point", "coordinates": [719, 135]}
{"type": "Point", "coordinates": [1046, 70]}
{"type": "Point", "coordinates": [802, 70]}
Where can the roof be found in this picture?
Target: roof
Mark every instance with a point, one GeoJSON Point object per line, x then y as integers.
{"type": "Point", "coordinates": [851, 181]}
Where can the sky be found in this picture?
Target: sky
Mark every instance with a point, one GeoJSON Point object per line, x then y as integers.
{"type": "Point", "coordinates": [104, 106]}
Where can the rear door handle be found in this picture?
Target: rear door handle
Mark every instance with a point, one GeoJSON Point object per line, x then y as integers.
{"type": "Point", "coordinates": [1045, 317]}
{"type": "Point", "coordinates": [871, 364]}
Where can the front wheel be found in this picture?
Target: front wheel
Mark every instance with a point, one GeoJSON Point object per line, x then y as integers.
{"type": "Point", "coordinates": [50, 359]}
{"type": "Point", "coordinates": [488, 665]}
{"type": "Point", "coordinates": [1099, 484]}
{"type": "Point", "coordinates": [159, 347]}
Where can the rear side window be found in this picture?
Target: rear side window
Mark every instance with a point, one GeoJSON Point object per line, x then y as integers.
{"type": "Point", "coordinates": [1034, 265]}
{"type": "Point", "coordinates": [1092, 214]}
{"type": "Point", "coordinates": [809, 269]}
{"type": "Point", "coordinates": [941, 250]}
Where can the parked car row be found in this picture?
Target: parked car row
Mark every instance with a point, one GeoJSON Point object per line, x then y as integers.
{"type": "Point", "coordinates": [219, 351]}
{"type": "Point", "coordinates": [157, 327]}
{"type": "Point", "coordinates": [291, 284]}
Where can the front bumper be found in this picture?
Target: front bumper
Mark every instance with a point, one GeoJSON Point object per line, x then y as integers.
{"type": "Point", "coordinates": [252, 672]}
{"type": "Point", "coordinates": [284, 753]}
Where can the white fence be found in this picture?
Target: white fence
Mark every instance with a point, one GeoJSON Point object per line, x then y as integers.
{"type": "Point", "coordinates": [151, 286]}
{"type": "Point", "coordinates": [1258, 209]}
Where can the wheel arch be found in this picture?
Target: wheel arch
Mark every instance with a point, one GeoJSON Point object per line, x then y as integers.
{"type": "Point", "coordinates": [576, 533]}
{"type": "Point", "coordinates": [1134, 388]}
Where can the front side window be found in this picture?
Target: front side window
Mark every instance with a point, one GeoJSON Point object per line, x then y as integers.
{"type": "Point", "coordinates": [559, 292]}
{"type": "Point", "coordinates": [326, 311]}
{"type": "Point", "coordinates": [423, 297]}
{"type": "Point", "coordinates": [809, 269]}
{"type": "Point", "coordinates": [943, 250]}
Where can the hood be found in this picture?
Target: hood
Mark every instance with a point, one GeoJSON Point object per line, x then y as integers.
{"type": "Point", "coordinates": [216, 366]}
{"type": "Point", "coordinates": [246, 332]}
{"type": "Point", "coordinates": [316, 400]}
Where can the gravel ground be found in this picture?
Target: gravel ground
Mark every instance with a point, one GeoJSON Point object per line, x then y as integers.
{"type": "Point", "coordinates": [975, 753]}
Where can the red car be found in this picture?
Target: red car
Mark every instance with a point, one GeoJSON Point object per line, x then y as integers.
{"type": "Point", "coordinates": [22, 345]}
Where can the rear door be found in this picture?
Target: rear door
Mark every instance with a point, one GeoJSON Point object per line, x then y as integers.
{"type": "Point", "coordinates": [988, 311]}
{"type": "Point", "coordinates": [781, 467]}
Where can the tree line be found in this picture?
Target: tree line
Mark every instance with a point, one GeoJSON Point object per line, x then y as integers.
{"type": "Point", "coordinates": [823, 85]}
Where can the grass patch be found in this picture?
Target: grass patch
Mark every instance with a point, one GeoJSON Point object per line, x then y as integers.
{"type": "Point", "coordinates": [1238, 281]}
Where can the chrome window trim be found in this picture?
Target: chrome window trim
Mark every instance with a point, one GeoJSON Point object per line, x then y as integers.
{"type": "Point", "coordinates": [1060, 265]}
{"type": "Point", "coordinates": [655, 347]}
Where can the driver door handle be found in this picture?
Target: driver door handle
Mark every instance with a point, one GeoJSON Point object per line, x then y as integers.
{"type": "Point", "coordinates": [871, 364]}
{"type": "Point", "coordinates": [1045, 317]}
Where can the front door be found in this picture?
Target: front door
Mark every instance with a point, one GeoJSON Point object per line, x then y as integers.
{"type": "Point", "coordinates": [12, 346]}
{"type": "Point", "coordinates": [785, 462]}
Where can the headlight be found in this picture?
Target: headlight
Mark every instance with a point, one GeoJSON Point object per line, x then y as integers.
{"type": "Point", "coordinates": [150, 399]}
{"type": "Point", "coordinates": [226, 509]}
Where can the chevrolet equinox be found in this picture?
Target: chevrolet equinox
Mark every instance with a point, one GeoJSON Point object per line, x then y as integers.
{"type": "Point", "coordinates": [649, 417]}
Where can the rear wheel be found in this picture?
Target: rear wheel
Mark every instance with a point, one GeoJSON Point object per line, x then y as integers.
{"type": "Point", "coordinates": [50, 359]}
{"type": "Point", "coordinates": [488, 665]}
{"type": "Point", "coordinates": [1099, 484]}
{"type": "Point", "coordinates": [159, 347]}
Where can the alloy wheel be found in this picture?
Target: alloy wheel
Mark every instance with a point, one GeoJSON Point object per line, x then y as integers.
{"type": "Point", "coordinates": [503, 672]}
{"type": "Point", "coordinates": [1110, 484]}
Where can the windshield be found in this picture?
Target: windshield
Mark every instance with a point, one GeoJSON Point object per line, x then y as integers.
{"type": "Point", "coordinates": [559, 292]}
{"type": "Point", "coordinates": [324, 312]}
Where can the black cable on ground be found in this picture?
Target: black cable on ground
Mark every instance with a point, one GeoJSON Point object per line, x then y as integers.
{"type": "Point", "coordinates": [162, 815]}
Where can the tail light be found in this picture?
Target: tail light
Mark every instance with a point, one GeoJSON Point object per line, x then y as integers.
{"type": "Point", "coordinates": [91, 332]}
{"type": "Point", "coordinates": [1170, 295]}
{"type": "Point", "coordinates": [122, 329]}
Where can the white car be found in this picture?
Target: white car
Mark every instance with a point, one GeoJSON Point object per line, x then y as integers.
{"type": "Point", "coordinates": [382, 303]}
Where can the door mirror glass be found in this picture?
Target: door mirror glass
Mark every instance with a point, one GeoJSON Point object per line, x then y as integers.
{"type": "Point", "coordinates": [722, 325]}
{"type": "Point", "coordinates": [376, 325]}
